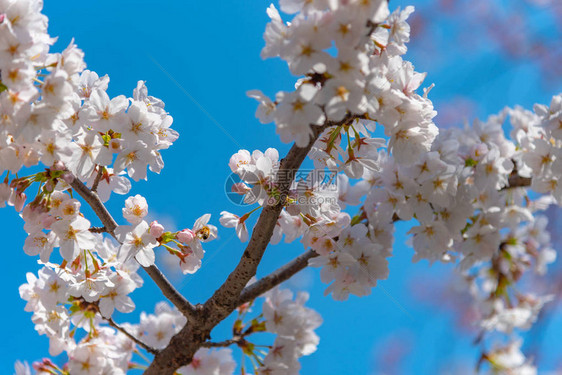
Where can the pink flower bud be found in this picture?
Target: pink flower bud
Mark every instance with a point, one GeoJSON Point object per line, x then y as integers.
{"type": "Point", "coordinates": [50, 186]}
{"type": "Point", "coordinates": [185, 236]}
{"type": "Point", "coordinates": [67, 177]}
{"type": "Point", "coordinates": [156, 229]}
{"type": "Point", "coordinates": [48, 362]}
{"type": "Point", "coordinates": [2, 16]}
{"type": "Point", "coordinates": [19, 201]}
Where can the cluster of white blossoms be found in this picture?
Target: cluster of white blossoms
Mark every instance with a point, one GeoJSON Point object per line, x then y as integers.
{"type": "Point", "coordinates": [294, 325]}
{"type": "Point", "coordinates": [77, 298]}
{"type": "Point", "coordinates": [467, 189]}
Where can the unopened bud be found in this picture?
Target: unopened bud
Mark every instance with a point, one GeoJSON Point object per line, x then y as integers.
{"type": "Point", "coordinates": [19, 201]}
{"type": "Point", "coordinates": [156, 229]}
{"type": "Point", "coordinates": [67, 177]}
{"type": "Point", "coordinates": [185, 236]}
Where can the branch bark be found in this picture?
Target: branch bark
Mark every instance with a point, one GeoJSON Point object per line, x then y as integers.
{"type": "Point", "coordinates": [275, 278]}
{"type": "Point", "coordinates": [225, 299]}
{"type": "Point", "coordinates": [109, 223]}
{"type": "Point", "coordinates": [515, 181]}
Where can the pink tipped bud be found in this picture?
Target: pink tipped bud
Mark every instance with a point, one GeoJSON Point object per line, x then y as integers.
{"type": "Point", "coordinates": [67, 177]}
{"type": "Point", "coordinates": [48, 362]}
{"type": "Point", "coordinates": [240, 188]}
{"type": "Point", "coordinates": [2, 16]}
{"type": "Point", "coordinates": [50, 186]}
{"type": "Point", "coordinates": [185, 236]}
{"type": "Point", "coordinates": [19, 201]}
{"type": "Point", "coordinates": [156, 229]}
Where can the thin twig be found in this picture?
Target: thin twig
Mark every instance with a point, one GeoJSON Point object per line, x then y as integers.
{"type": "Point", "coordinates": [98, 178]}
{"type": "Point", "coordinates": [92, 198]}
{"type": "Point", "coordinates": [222, 344]}
{"type": "Point", "coordinates": [182, 304]}
{"type": "Point", "coordinates": [129, 335]}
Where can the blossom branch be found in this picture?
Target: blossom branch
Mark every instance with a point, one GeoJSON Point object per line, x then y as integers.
{"type": "Point", "coordinates": [133, 338]}
{"type": "Point", "coordinates": [225, 299]}
{"type": "Point", "coordinates": [221, 344]}
{"type": "Point", "coordinates": [97, 179]}
{"type": "Point", "coordinates": [277, 277]}
{"type": "Point", "coordinates": [98, 229]}
{"type": "Point", "coordinates": [185, 343]}
{"type": "Point", "coordinates": [516, 181]}
{"type": "Point", "coordinates": [91, 197]}
{"type": "Point", "coordinates": [301, 262]}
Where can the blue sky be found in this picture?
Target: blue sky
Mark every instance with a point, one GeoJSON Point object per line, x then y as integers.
{"type": "Point", "coordinates": [201, 57]}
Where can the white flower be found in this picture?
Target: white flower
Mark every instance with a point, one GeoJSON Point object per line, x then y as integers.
{"type": "Point", "coordinates": [229, 220]}
{"type": "Point", "coordinates": [74, 236]}
{"type": "Point", "coordinates": [117, 297]}
{"type": "Point", "coordinates": [266, 108]}
{"type": "Point", "coordinates": [40, 243]}
{"type": "Point", "coordinates": [136, 242]}
{"type": "Point", "coordinates": [295, 113]}
{"type": "Point", "coordinates": [105, 114]}
{"type": "Point", "coordinates": [135, 209]}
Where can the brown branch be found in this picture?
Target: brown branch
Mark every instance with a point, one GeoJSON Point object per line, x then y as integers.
{"type": "Point", "coordinates": [133, 338]}
{"type": "Point", "coordinates": [221, 344]}
{"type": "Point", "coordinates": [515, 181]}
{"type": "Point", "coordinates": [182, 304]}
{"type": "Point", "coordinates": [184, 344]}
{"type": "Point", "coordinates": [96, 204]}
{"type": "Point", "coordinates": [91, 197]}
{"type": "Point", "coordinates": [97, 179]}
{"type": "Point", "coordinates": [275, 278]}
{"type": "Point", "coordinates": [98, 229]}
{"type": "Point", "coordinates": [225, 299]}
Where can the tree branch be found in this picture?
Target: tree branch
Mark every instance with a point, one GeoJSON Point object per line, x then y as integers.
{"type": "Point", "coordinates": [275, 278]}
{"type": "Point", "coordinates": [91, 197]}
{"type": "Point", "coordinates": [133, 338]}
{"type": "Point", "coordinates": [97, 179]}
{"type": "Point", "coordinates": [225, 299]}
{"type": "Point", "coordinates": [221, 344]}
{"type": "Point", "coordinates": [182, 304]}
{"type": "Point", "coordinates": [185, 343]}
{"type": "Point", "coordinates": [515, 181]}
{"type": "Point", "coordinates": [98, 229]}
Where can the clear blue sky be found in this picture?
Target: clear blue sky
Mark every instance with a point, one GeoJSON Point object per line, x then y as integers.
{"type": "Point", "coordinates": [211, 51]}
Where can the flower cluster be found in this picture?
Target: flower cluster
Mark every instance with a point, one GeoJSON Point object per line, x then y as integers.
{"type": "Point", "coordinates": [80, 296]}
{"type": "Point", "coordinates": [294, 325]}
